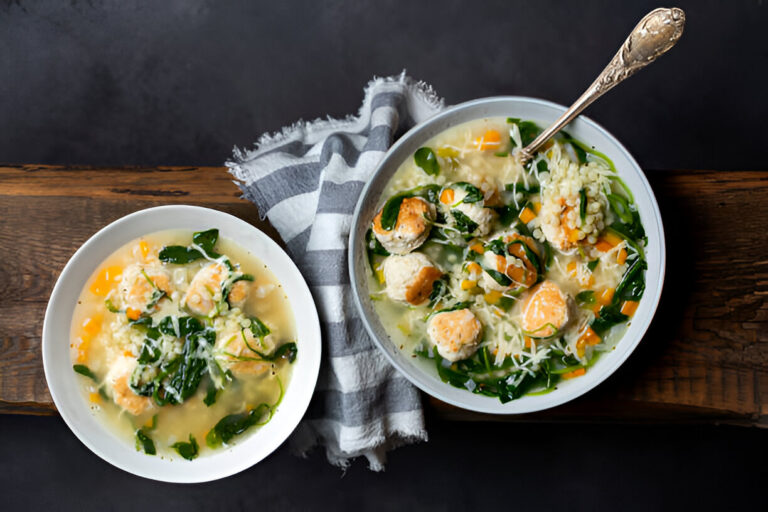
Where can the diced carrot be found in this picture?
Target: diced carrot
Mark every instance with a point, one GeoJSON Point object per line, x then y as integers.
{"type": "Point", "coordinates": [612, 238]}
{"type": "Point", "coordinates": [468, 284]}
{"type": "Point", "coordinates": [596, 309]}
{"type": "Point", "coordinates": [580, 347]}
{"type": "Point", "coordinates": [82, 349]}
{"type": "Point", "coordinates": [490, 140]}
{"type": "Point", "coordinates": [536, 207]}
{"type": "Point", "coordinates": [575, 373]}
{"type": "Point", "coordinates": [91, 326]}
{"type": "Point", "coordinates": [94, 398]}
{"type": "Point", "coordinates": [501, 263]}
{"type": "Point", "coordinates": [144, 248]}
{"type": "Point", "coordinates": [132, 314]}
{"type": "Point", "coordinates": [446, 196]}
{"type": "Point", "coordinates": [527, 341]}
{"type": "Point", "coordinates": [589, 337]}
{"type": "Point", "coordinates": [607, 242]}
{"type": "Point", "coordinates": [590, 281]}
{"type": "Point", "coordinates": [478, 248]}
{"type": "Point", "coordinates": [606, 296]}
{"type": "Point", "coordinates": [571, 268]}
{"type": "Point", "coordinates": [629, 307]}
{"type": "Point", "coordinates": [603, 246]}
{"type": "Point", "coordinates": [526, 215]}
{"type": "Point", "coordinates": [474, 268]}
{"type": "Point", "coordinates": [492, 297]}
{"type": "Point", "coordinates": [622, 257]}
{"type": "Point", "coordinates": [128, 353]}
{"type": "Point", "coordinates": [105, 280]}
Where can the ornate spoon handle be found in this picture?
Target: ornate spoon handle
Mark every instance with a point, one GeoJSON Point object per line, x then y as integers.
{"type": "Point", "coordinates": [656, 33]}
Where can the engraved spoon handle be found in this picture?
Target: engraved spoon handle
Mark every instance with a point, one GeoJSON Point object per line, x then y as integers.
{"type": "Point", "coordinates": [656, 33]}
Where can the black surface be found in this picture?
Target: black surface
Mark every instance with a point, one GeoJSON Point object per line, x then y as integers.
{"type": "Point", "coordinates": [463, 467]}
{"type": "Point", "coordinates": [182, 82]}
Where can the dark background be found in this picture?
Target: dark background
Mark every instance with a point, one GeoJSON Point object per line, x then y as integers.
{"type": "Point", "coordinates": [182, 82]}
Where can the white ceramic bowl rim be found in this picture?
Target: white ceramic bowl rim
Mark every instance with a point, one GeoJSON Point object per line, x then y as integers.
{"type": "Point", "coordinates": [64, 385]}
{"type": "Point", "coordinates": [583, 129]}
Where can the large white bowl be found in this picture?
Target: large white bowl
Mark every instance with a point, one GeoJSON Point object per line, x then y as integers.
{"type": "Point", "coordinates": [65, 387]}
{"type": "Point", "coordinates": [542, 112]}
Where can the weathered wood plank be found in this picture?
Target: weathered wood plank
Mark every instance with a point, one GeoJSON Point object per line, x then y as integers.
{"type": "Point", "coordinates": [705, 357]}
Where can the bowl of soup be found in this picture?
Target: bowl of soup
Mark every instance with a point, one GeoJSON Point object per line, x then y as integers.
{"type": "Point", "coordinates": [504, 287]}
{"type": "Point", "coordinates": [173, 346]}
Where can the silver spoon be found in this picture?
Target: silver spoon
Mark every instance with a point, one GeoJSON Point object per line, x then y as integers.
{"type": "Point", "coordinates": [656, 33]}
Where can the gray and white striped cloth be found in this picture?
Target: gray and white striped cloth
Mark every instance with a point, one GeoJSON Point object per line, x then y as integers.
{"type": "Point", "coordinates": [306, 180]}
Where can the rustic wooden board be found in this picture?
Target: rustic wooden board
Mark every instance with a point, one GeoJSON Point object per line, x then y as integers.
{"type": "Point", "coordinates": [704, 359]}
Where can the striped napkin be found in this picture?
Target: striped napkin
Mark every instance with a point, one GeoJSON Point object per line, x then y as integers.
{"type": "Point", "coordinates": [306, 180]}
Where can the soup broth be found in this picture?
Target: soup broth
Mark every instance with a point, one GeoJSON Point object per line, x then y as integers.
{"type": "Point", "coordinates": [175, 351]}
{"type": "Point", "coordinates": [506, 278]}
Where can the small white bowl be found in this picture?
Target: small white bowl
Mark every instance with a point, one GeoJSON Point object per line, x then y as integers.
{"type": "Point", "coordinates": [65, 387]}
{"type": "Point", "coordinates": [544, 113]}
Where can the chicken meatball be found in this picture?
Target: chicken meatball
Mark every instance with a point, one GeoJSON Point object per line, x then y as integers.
{"type": "Point", "coordinates": [139, 286]}
{"type": "Point", "coordinates": [455, 333]}
{"type": "Point", "coordinates": [414, 220]}
{"type": "Point", "coordinates": [205, 290]}
{"type": "Point", "coordinates": [545, 311]}
{"type": "Point", "coordinates": [409, 278]}
{"type": "Point", "coordinates": [466, 211]}
{"type": "Point", "coordinates": [118, 379]}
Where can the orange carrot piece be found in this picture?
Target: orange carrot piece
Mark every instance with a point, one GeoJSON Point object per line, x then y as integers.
{"type": "Point", "coordinates": [629, 307]}
{"type": "Point", "coordinates": [575, 373]}
{"type": "Point", "coordinates": [526, 215]}
{"type": "Point", "coordinates": [446, 196]}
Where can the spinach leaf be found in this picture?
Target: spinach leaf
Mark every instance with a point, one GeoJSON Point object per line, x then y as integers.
{"type": "Point", "coordinates": [585, 298]}
{"type": "Point", "coordinates": [391, 211]}
{"type": "Point", "coordinates": [210, 394]}
{"type": "Point", "coordinates": [439, 291]}
{"type": "Point", "coordinates": [528, 130]}
{"type": "Point", "coordinates": [85, 371]}
{"type": "Point", "coordinates": [206, 240]}
{"type": "Point", "coordinates": [497, 247]}
{"type": "Point", "coordinates": [429, 192]}
{"type": "Point", "coordinates": [621, 208]}
{"type": "Point", "coordinates": [497, 276]}
{"type": "Point", "coordinates": [593, 264]}
{"type": "Point", "coordinates": [607, 318]}
{"type": "Point", "coordinates": [150, 352]}
{"type": "Point", "coordinates": [178, 255]}
{"type": "Point", "coordinates": [501, 154]}
{"type": "Point", "coordinates": [427, 160]}
{"type": "Point", "coordinates": [474, 194]}
{"type": "Point", "coordinates": [188, 450]}
{"type": "Point", "coordinates": [542, 166]}
{"type": "Point", "coordinates": [632, 285]}
{"type": "Point", "coordinates": [374, 246]}
{"type": "Point", "coordinates": [235, 424]}
{"type": "Point", "coordinates": [181, 255]}
{"type": "Point", "coordinates": [463, 223]}
{"type": "Point", "coordinates": [258, 328]}
{"type": "Point", "coordinates": [145, 443]}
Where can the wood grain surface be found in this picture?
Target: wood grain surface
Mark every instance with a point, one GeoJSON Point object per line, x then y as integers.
{"type": "Point", "coordinates": [704, 359]}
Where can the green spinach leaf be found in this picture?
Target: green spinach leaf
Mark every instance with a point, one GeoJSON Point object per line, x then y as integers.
{"type": "Point", "coordinates": [188, 450]}
{"type": "Point", "coordinates": [427, 160]}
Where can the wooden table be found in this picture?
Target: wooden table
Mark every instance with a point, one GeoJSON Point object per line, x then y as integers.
{"type": "Point", "coordinates": [704, 359]}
